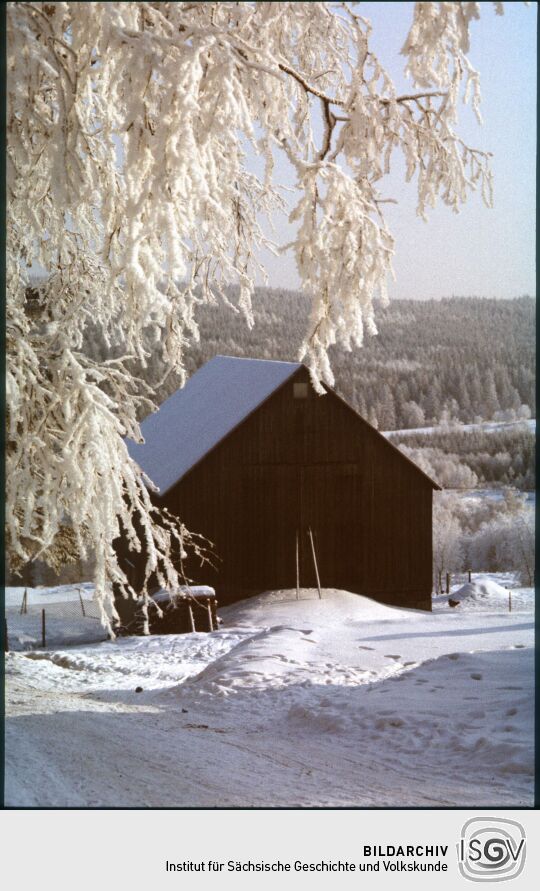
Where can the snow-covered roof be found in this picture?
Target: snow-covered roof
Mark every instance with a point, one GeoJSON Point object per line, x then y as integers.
{"type": "Point", "coordinates": [195, 418]}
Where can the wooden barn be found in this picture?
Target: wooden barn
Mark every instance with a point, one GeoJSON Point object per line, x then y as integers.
{"type": "Point", "coordinates": [285, 482]}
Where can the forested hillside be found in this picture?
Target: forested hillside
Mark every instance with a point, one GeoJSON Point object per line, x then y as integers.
{"type": "Point", "coordinates": [463, 458]}
{"type": "Point", "coordinates": [461, 359]}
{"type": "Point", "coordinates": [468, 359]}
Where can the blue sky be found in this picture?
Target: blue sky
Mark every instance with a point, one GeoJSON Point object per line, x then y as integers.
{"type": "Point", "coordinates": [484, 252]}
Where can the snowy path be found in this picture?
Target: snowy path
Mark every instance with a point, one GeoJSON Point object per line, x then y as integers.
{"type": "Point", "coordinates": [340, 702]}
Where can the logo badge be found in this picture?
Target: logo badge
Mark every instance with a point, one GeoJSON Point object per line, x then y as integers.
{"type": "Point", "coordinates": [491, 849]}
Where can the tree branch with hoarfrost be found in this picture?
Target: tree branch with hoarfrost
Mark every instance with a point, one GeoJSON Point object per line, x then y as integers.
{"type": "Point", "coordinates": [130, 132]}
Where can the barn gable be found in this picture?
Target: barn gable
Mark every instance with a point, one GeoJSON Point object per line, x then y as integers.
{"type": "Point", "coordinates": [213, 403]}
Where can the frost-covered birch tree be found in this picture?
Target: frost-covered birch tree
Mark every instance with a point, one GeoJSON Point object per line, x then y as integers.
{"type": "Point", "coordinates": [130, 131]}
{"type": "Point", "coordinates": [448, 550]}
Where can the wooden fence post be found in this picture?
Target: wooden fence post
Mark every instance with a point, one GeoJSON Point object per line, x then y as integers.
{"type": "Point", "coordinates": [469, 574]}
{"type": "Point", "coordinates": [24, 604]}
{"type": "Point", "coordinates": [82, 603]}
{"type": "Point", "coordinates": [210, 622]}
{"type": "Point", "coordinates": [315, 563]}
{"type": "Point", "coordinates": [43, 634]}
{"type": "Point", "coordinates": [191, 617]}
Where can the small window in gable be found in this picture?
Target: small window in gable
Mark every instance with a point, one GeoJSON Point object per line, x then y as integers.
{"type": "Point", "coordinates": [300, 390]}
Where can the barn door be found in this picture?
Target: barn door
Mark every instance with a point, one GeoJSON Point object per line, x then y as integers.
{"type": "Point", "coordinates": [276, 502]}
{"type": "Point", "coordinates": [268, 518]}
{"type": "Point", "coordinates": [330, 504]}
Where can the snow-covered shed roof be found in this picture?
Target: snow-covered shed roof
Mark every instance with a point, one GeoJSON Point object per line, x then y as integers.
{"type": "Point", "coordinates": [195, 418]}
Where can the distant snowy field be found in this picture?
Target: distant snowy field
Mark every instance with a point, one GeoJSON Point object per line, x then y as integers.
{"type": "Point", "coordinates": [332, 702]}
{"type": "Point", "coordinates": [484, 427]}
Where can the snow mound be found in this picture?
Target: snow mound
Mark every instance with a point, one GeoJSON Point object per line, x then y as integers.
{"type": "Point", "coordinates": [335, 607]}
{"type": "Point", "coordinates": [273, 657]}
{"type": "Point", "coordinates": [302, 642]}
{"type": "Point", "coordinates": [484, 593]}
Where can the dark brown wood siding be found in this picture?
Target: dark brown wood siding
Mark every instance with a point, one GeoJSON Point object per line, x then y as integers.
{"type": "Point", "coordinates": [309, 463]}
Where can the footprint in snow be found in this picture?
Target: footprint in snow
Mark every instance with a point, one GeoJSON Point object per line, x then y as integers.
{"type": "Point", "coordinates": [518, 647]}
{"type": "Point", "coordinates": [395, 722]}
{"type": "Point", "coordinates": [366, 648]}
{"type": "Point", "coordinates": [476, 676]}
{"type": "Point", "coordinates": [511, 712]}
{"type": "Point", "coordinates": [391, 656]}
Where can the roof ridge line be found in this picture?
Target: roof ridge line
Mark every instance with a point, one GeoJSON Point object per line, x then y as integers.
{"type": "Point", "coordinates": [254, 359]}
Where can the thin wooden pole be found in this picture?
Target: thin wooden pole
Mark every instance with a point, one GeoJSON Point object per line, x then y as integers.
{"type": "Point", "coordinates": [448, 583]}
{"type": "Point", "coordinates": [43, 635]}
{"type": "Point", "coordinates": [24, 608]}
{"type": "Point", "coordinates": [210, 622]}
{"type": "Point", "coordinates": [82, 603]}
{"type": "Point", "coordinates": [297, 568]}
{"type": "Point", "coordinates": [191, 617]}
{"type": "Point", "coordinates": [315, 563]}
{"type": "Point", "coordinates": [469, 574]}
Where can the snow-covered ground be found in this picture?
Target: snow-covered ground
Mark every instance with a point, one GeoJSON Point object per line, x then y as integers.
{"type": "Point", "coordinates": [484, 427]}
{"type": "Point", "coordinates": [65, 622]}
{"type": "Point", "coordinates": [43, 596]}
{"type": "Point", "coordinates": [334, 702]}
{"type": "Point", "coordinates": [471, 497]}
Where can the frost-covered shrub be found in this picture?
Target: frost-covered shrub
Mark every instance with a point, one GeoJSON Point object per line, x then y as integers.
{"type": "Point", "coordinates": [506, 542]}
{"type": "Point", "coordinates": [445, 469]}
